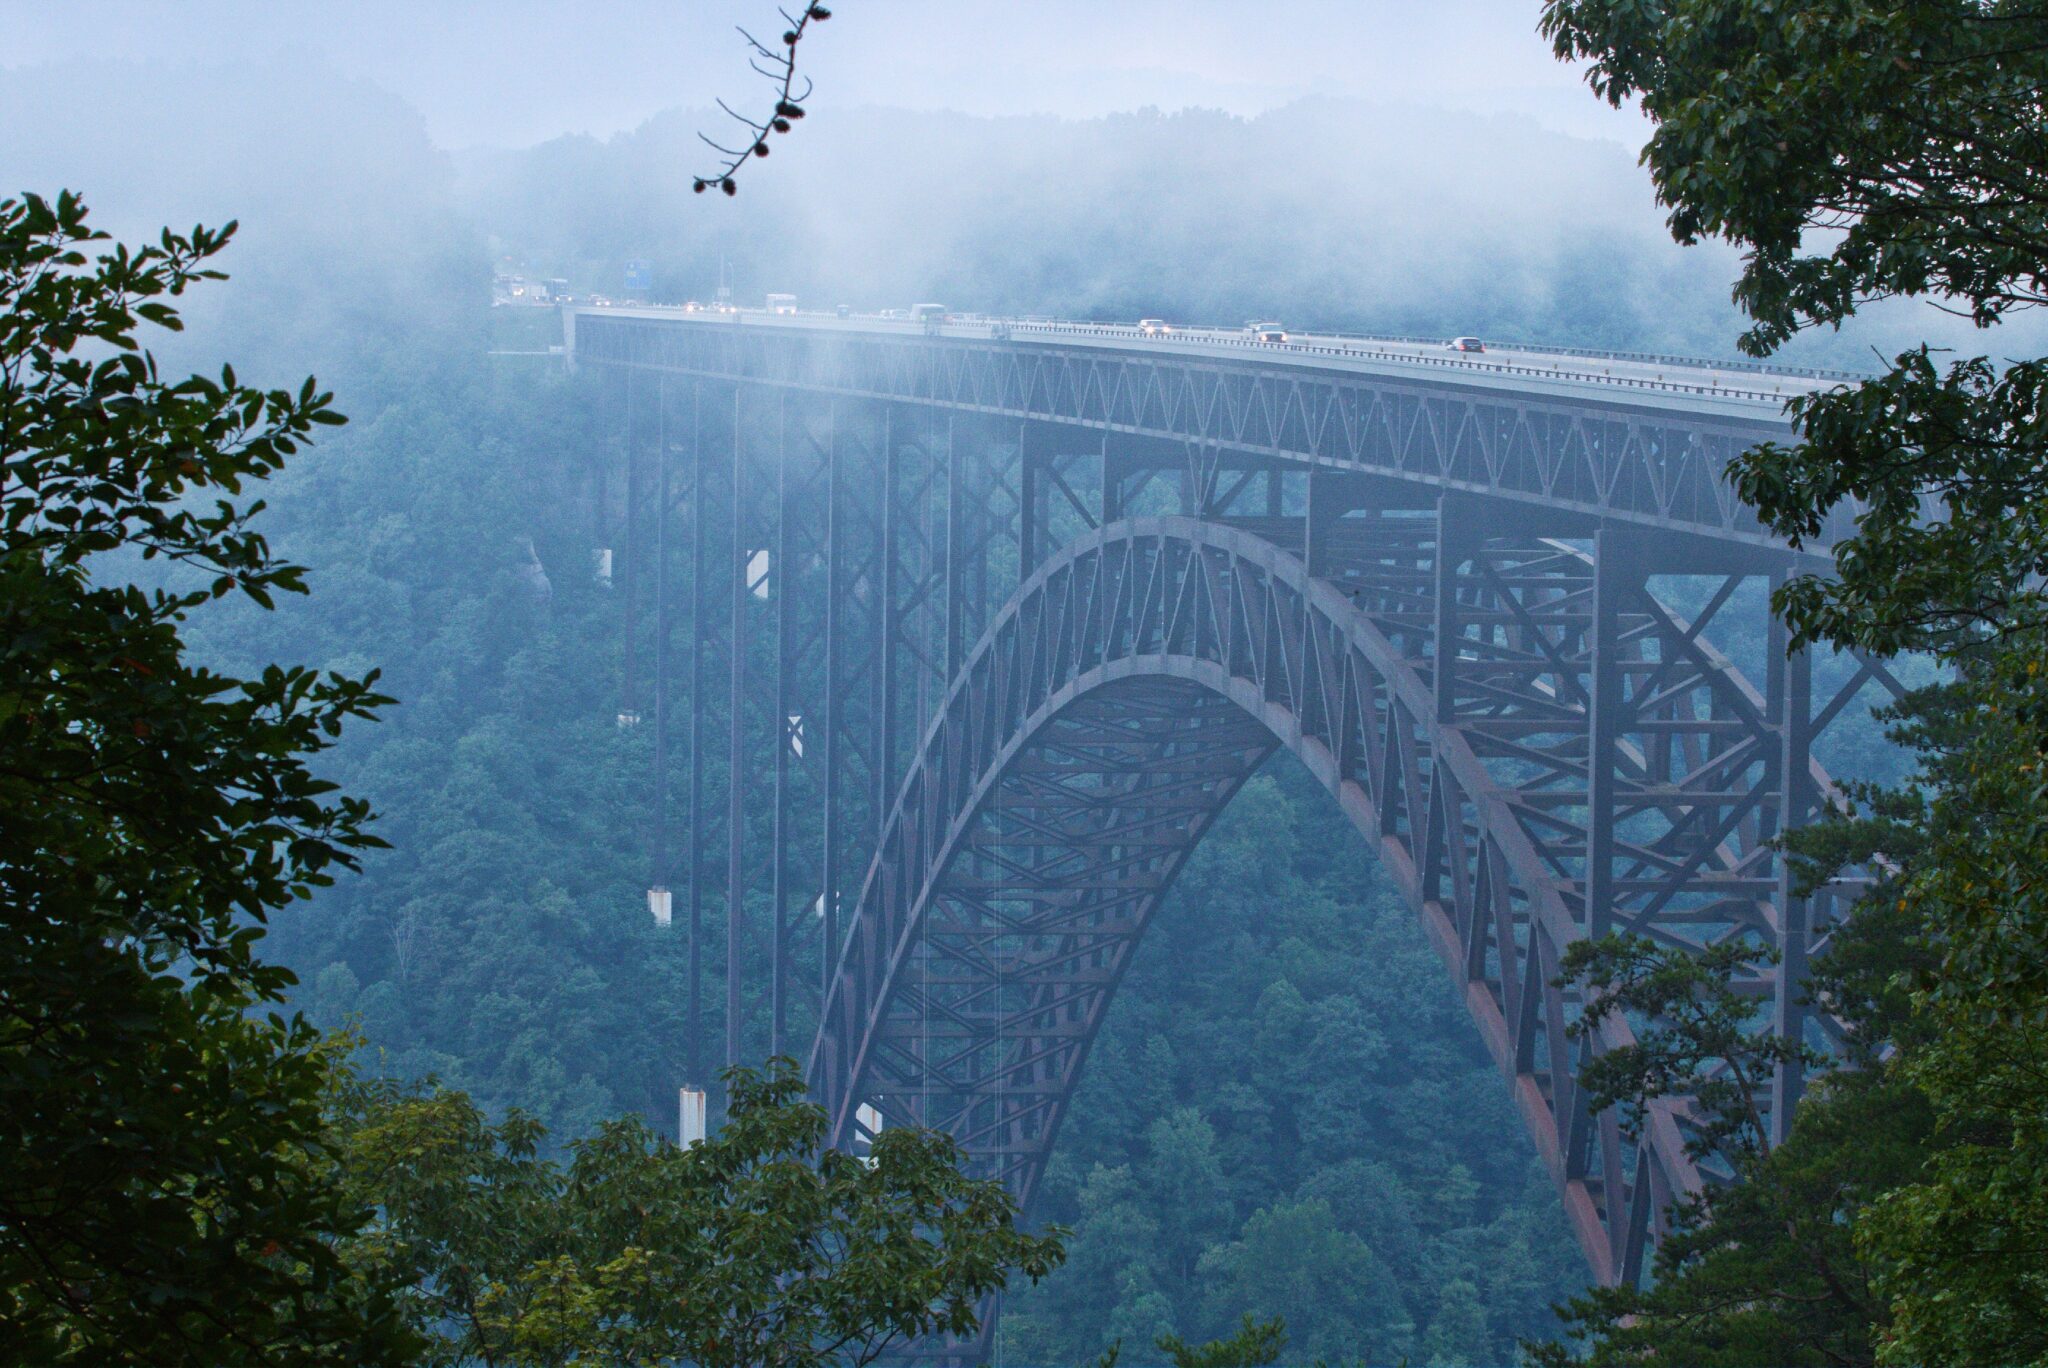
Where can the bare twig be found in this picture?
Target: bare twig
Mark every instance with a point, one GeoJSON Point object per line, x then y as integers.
{"type": "Point", "coordinates": [779, 67]}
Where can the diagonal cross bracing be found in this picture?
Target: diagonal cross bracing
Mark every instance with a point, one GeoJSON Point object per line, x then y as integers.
{"type": "Point", "coordinates": [1538, 748]}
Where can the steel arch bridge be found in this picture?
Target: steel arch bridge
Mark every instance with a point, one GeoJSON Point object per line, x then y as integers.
{"type": "Point", "coordinates": [1016, 614]}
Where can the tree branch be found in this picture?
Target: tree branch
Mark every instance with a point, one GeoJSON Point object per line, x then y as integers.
{"type": "Point", "coordinates": [779, 67]}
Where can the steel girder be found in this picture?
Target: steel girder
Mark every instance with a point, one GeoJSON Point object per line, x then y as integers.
{"type": "Point", "coordinates": [1475, 666]}
{"type": "Point", "coordinates": [1604, 457]}
{"type": "Point", "coordinates": [1144, 671]}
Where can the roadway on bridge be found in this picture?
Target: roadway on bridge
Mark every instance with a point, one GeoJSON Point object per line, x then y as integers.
{"type": "Point", "coordinates": [1733, 389]}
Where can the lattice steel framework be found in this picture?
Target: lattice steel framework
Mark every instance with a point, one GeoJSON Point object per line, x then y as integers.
{"type": "Point", "coordinates": [1012, 668]}
{"type": "Point", "coordinates": [1622, 457]}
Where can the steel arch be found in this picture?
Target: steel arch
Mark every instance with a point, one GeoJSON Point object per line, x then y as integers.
{"type": "Point", "coordinates": [1108, 715]}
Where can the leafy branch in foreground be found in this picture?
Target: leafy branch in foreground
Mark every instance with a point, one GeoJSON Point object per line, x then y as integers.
{"type": "Point", "coordinates": [1253, 1344]}
{"type": "Point", "coordinates": [1702, 1040]}
{"type": "Point", "coordinates": [1764, 1266]}
{"type": "Point", "coordinates": [160, 1202]}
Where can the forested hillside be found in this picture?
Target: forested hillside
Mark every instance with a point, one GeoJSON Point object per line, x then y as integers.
{"type": "Point", "coordinates": [1288, 1110]}
{"type": "Point", "coordinates": [1287, 1064]}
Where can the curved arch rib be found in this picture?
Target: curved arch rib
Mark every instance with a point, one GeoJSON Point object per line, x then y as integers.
{"type": "Point", "coordinates": [1117, 703]}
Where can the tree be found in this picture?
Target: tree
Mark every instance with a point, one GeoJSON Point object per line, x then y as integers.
{"type": "Point", "coordinates": [158, 1129]}
{"type": "Point", "coordinates": [1457, 1333]}
{"type": "Point", "coordinates": [1765, 1268]}
{"type": "Point", "coordinates": [1291, 1260]}
{"type": "Point", "coordinates": [1703, 1042]}
{"type": "Point", "coordinates": [757, 1246]}
{"type": "Point", "coordinates": [1958, 1244]}
{"type": "Point", "coordinates": [1907, 134]}
{"type": "Point", "coordinates": [1859, 150]}
{"type": "Point", "coordinates": [1253, 1344]}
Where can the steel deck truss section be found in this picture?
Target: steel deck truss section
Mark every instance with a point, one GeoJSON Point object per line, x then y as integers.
{"type": "Point", "coordinates": [1600, 456]}
{"type": "Point", "coordinates": [1018, 620]}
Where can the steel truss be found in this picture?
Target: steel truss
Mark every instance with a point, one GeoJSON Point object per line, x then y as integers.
{"type": "Point", "coordinates": [1005, 672]}
{"type": "Point", "coordinates": [1608, 457]}
{"type": "Point", "coordinates": [1146, 670]}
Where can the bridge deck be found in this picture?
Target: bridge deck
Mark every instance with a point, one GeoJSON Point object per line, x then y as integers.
{"type": "Point", "coordinates": [1698, 387]}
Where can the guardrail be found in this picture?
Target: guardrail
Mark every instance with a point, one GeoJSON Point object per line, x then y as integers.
{"type": "Point", "coordinates": [1746, 365]}
{"type": "Point", "coordinates": [1000, 329]}
{"type": "Point", "coordinates": [1223, 339]}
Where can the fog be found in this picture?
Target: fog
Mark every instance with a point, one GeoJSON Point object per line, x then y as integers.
{"type": "Point", "coordinates": [1458, 207]}
{"type": "Point", "coordinates": [508, 73]}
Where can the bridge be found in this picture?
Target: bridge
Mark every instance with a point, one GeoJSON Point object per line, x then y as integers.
{"type": "Point", "coordinates": [984, 622]}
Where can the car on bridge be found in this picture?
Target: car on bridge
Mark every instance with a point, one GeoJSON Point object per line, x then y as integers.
{"type": "Point", "coordinates": [1266, 332]}
{"type": "Point", "coordinates": [1465, 344]}
{"type": "Point", "coordinates": [1152, 326]}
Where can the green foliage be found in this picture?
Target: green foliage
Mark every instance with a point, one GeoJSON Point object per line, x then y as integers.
{"type": "Point", "coordinates": [1702, 1041]}
{"type": "Point", "coordinates": [1765, 1269]}
{"type": "Point", "coordinates": [1287, 1114]}
{"type": "Point", "coordinates": [503, 942]}
{"type": "Point", "coordinates": [1254, 1344]}
{"type": "Point", "coordinates": [1295, 1256]}
{"type": "Point", "coordinates": [1905, 132]}
{"type": "Point", "coordinates": [1896, 125]}
{"type": "Point", "coordinates": [157, 1128]}
{"type": "Point", "coordinates": [1958, 1245]}
{"type": "Point", "coordinates": [1895, 128]}
{"type": "Point", "coordinates": [757, 1246]}
{"type": "Point", "coordinates": [1965, 440]}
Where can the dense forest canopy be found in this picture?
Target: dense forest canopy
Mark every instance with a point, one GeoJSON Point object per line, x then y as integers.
{"type": "Point", "coordinates": [1380, 1197]}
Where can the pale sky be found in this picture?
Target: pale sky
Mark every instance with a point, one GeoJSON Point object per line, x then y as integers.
{"type": "Point", "coordinates": [516, 72]}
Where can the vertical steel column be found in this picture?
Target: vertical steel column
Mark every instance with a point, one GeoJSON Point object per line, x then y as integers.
{"type": "Point", "coordinates": [1616, 576]}
{"type": "Point", "coordinates": [956, 572]}
{"type": "Point", "coordinates": [1032, 496]}
{"type": "Point", "coordinates": [780, 585]}
{"type": "Point", "coordinates": [885, 675]}
{"type": "Point", "coordinates": [1795, 784]}
{"type": "Point", "coordinates": [736, 784]}
{"type": "Point", "coordinates": [693, 856]}
{"type": "Point", "coordinates": [835, 590]}
{"type": "Point", "coordinates": [1112, 484]}
{"type": "Point", "coordinates": [629, 614]}
{"type": "Point", "coordinates": [1315, 526]}
{"type": "Point", "coordinates": [658, 859]}
{"type": "Point", "coordinates": [1456, 539]}
{"type": "Point", "coordinates": [932, 566]}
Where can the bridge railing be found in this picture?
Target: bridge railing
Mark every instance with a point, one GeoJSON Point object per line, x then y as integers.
{"type": "Point", "coordinates": [1746, 365]}
{"type": "Point", "coordinates": [1192, 338]}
